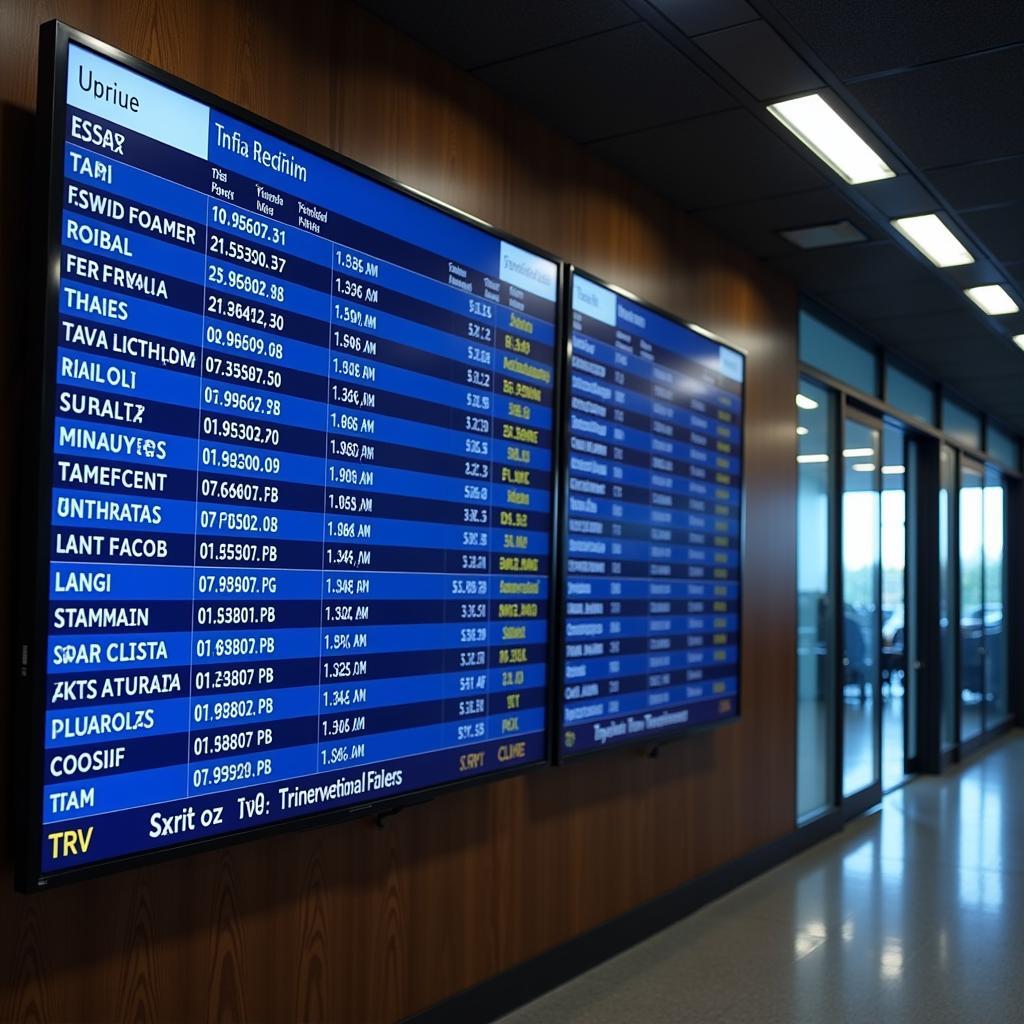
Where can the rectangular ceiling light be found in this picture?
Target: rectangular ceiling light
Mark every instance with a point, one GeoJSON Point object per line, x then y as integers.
{"type": "Point", "coordinates": [857, 453]}
{"type": "Point", "coordinates": [824, 132]}
{"type": "Point", "coordinates": [1018, 340]}
{"type": "Point", "coordinates": [993, 299]}
{"type": "Point", "coordinates": [803, 402]}
{"type": "Point", "coordinates": [812, 458]}
{"type": "Point", "coordinates": [929, 235]}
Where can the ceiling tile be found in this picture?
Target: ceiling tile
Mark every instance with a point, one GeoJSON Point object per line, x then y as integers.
{"type": "Point", "coordinates": [981, 184]}
{"type": "Point", "coordinates": [759, 60]}
{"type": "Point", "coordinates": [1016, 271]}
{"type": "Point", "coordinates": [697, 16]}
{"type": "Point", "coordinates": [755, 225]}
{"type": "Point", "coordinates": [927, 328]}
{"type": "Point", "coordinates": [981, 271]}
{"type": "Point", "coordinates": [927, 295]}
{"type": "Point", "coordinates": [952, 113]}
{"type": "Point", "coordinates": [959, 360]}
{"type": "Point", "coordinates": [902, 196]}
{"type": "Point", "coordinates": [706, 161]}
{"type": "Point", "coordinates": [871, 264]}
{"type": "Point", "coordinates": [1001, 229]}
{"type": "Point", "coordinates": [574, 85]}
{"type": "Point", "coordinates": [471, 34]}
{"type": "Point", "coordinates": [857, 37]}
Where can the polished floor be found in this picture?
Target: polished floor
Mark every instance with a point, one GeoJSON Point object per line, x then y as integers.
{"type": "Point", "coordinates": [913, 913]}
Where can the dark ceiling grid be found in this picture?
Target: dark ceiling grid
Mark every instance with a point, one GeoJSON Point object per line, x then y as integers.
{"type": "Point", "coordinates": [995, 345]}
{"type": "Point", "coordinates": [475, 33]}
{"type": "Point", "coordinates": [879, 201]}
{"type": "Point", "coordinates": [652, 83]}
{"type": "Point", "coordinates": [696, 17]}
{"type": "Point", "coordinates": [861, 38]}
{"type": "Point", "coordinates": [824, 273]}
{"type": "Point", "coordinates": [675, 92]}
{"type": "Point", "coordinates": [665, 157]}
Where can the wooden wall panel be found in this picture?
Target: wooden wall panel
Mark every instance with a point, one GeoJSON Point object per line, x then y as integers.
{"type": "Point", "coordinates": [355, 922]}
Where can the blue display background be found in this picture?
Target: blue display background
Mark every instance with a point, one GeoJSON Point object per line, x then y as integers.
{"type": "Point", "coordinates": [301, 483]}
{"type": "Point", "coordinates": [654, 512]}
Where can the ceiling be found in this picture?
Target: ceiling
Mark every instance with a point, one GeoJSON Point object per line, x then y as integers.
{"type": "Point", "coordinates": [674, 91]}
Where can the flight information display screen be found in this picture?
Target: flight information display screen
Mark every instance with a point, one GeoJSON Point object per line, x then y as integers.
{"type": "Point", "coordinates": [299, 458]}
{"type": "Point", "coordinates": [654, 499]}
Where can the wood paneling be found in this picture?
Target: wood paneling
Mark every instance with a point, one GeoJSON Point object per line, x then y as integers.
{"type": "Point", "coordinates": [355, 922]}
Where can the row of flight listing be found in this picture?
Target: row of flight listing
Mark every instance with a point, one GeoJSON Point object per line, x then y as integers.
{"type": "Point", "coordinates": [308, 433]}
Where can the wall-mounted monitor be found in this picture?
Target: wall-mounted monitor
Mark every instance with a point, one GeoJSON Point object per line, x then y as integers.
{"type": "Point", "coordinates": [652, 544]}
{"type": "Point", "coordinates": [295, 479]}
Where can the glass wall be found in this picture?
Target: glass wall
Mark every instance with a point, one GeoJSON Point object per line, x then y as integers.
{"type": "Point", "coordinates": [947, 596]}
{"type": "Point", "coordinates": [911, 632]}
{"type": "Point", "coordinates": [861, 617]}
{"type": "Point", "coordinates": [816, 608]}
{"type": "Point", "coordinates": [866, 690]}
{"type": "Point", "coordinates": [1003, 447]}
{"type": "Point", "coordinates": [909, 395]}
{"type": "Point", "coordinates": [961, 425]}
{"type": "Point", "coordinates": [894, 606]}
{"type": "Point", "coordinates": [996, 568]}
{"type": "Point", "coordinates": [972, 600]}
{"type": "Point", "coordinates": [822, 346]}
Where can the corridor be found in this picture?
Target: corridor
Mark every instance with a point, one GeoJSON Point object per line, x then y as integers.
{"type": "Point", "coordinates": [912, 913]}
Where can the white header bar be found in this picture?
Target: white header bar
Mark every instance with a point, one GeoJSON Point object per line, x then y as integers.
{"type": "Point", "coordinates": [116, 94]}
{"type": "Point", "coordinates": [593, 300]}
{"type": "Point", "coordinates": [531, 273]}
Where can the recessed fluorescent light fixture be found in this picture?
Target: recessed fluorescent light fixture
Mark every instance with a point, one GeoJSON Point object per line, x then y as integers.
{"type": "Point", "coordinates": [863, 467]}
{"type": "Point", "coordinates": [929, 235]}
{"type": "Point", "coordinates": [804, 431]}
{"type": "Point", "coordinates": [1018, 340]}
{"type": "Point", "coordinates": [857, 453]}
{"type": "Point", "coordinates": [992, 298]}
{"type": "Point", "coordinates": [825, 133]}
{"type": "Point", "coordinates": [803, 402]}
{"type": "Point", "coordinates": [812, 458]}
{"type": "Point", "coordinates": [821, 236]}
{"type": "Point", "coordinates": [893, 470]}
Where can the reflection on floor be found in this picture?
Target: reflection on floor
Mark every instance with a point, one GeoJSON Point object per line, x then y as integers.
{"type": "Point", "coordinates": [970, 720]}
{"type": "Point", "coordinates": [913, 913]}
{"type": "Point", "coordinates": [893, 742]}
{"type": "Point", "coordinates": [858, 746]}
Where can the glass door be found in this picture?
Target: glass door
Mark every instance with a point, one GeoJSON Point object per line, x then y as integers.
{"type": "Point", "coordinates": [816, 610]}
{"type": "Point", "coordinates": [947, 600]}
{"type": "Point", "coordinates": [996, 644]}
{"type": "Point", "coordinates": [898, 653]}
{"type": "Point", "coordinates": [861, 614]}
{"type": "Point", "coordinates": [971, 521]}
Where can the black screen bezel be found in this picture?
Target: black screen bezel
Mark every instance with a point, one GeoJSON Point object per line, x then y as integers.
{"type": "Point", "coordinates": [648, 742]}
{"type": "Point", "coordinates": [33, 556]}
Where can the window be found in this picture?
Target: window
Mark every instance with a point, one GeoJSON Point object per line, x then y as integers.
{"type": "Point", "coordinates": [816, 604]}
{"type": "Point", "coordinates": [960, 424]}
{"type": "Point", "coordinates": [1005, 448]}
{"type": "Point", "coordinates": [827, 349]}
{"type": "Point", "coordinates": [909, 395]}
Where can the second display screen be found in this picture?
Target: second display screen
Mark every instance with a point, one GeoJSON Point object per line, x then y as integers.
{"type": "Point", "coordinates": [653, 514]}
